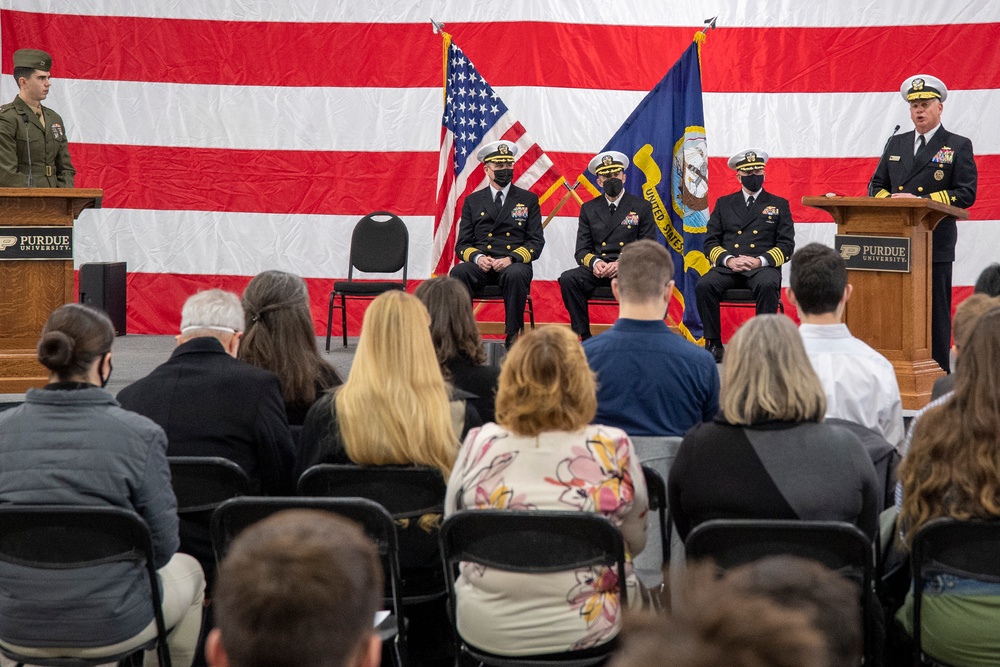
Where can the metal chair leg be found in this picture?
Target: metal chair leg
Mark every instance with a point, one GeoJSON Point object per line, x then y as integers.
{"type": "Point", "coordinates": [329, 320]}
{"type": "Point", "coordinates": [343, 311]}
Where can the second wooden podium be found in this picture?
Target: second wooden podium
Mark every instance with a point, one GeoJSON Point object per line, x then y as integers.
{"type": "Point", "coordinates": [891, 309]}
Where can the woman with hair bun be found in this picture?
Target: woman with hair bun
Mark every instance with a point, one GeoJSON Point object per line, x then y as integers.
{"type": "Point", "coordinates": [71, 444]}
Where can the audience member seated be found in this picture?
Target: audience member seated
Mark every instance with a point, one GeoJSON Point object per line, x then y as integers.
{"type": "Point", "coordinates": [768, 455]}
{"type": "Point", "coordinates": [457, 343]}
{"type": "Point", "coordinates": [860, 383]}
{"type": "Point", "coordinates": [951, 471]}
{"type": "Point", "coordinates": [542, 454]}
{"type": "Point", "coordinates": [71, 444]}
{"type": "Point", "coordinates": [966, 315]}
{"type": "Point", "coordinates": [211, 404]}
{"type": "Point", "coordinates": [394, 407]}
{"type": "Point", "coordinates": [298, 588]}
{"type": "Point", "coordinates": [651, 381]}
{"type": "Point", "coordinates": [988, 282]}
{"type": "Point", "coordinates": [280, 338]}
{"type": "Point", "coordinates": [718, 624]}
{"type": "Point", "coordinates": [831, 601]}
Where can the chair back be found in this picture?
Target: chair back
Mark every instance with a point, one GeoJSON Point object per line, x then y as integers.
{"type": "Point", "coordinates": [530, 541]}
{"type": "Point", "coordinates": [967, 549]}
{"type": "Point", "coordinates": [657, 489]}
{"type": "Point", "coordinates": [236, 514]}
{"type": "Point", "coordinates": [379, 246]}
{"type": "Point", "coordinates": [413, 495]}
{"type": "Point", "coordinates": [202, 483]}
{"type": "Point", "coordinates": [58, 537]}
{"type": "Point", "coordinates": [840, 546]}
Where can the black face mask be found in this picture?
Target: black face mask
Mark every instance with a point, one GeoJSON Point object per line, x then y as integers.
{"type": "Point", "coordinates": [104, 380]}
{"type": "Point", "coordinates": [613, 187]}
{"type": "Point", "coordinates": [503, 176]}
{"type": "Point", "coordinates": [752, 182]}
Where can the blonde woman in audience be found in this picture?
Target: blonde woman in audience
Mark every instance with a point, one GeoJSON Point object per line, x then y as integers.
{"type": "Point", "coordinates": [280, 337]}
{"type": "Point", "coordinates": [543, 454]}
{"type": "Point", "coordinates": [953, 470]}
{"type": "Point", "coordinates": [394, 407]}
{"type": "Point", "coordinates": [768, 455]}
{"type": "Point", "coordinates": [71, 444]}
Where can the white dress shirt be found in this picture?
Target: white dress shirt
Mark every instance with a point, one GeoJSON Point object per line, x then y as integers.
{"type": "Point", "coordinates": [860, 384]}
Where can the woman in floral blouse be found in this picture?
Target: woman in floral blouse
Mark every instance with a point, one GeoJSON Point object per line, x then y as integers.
{"type": "Point", "coordinates": [543, 455]}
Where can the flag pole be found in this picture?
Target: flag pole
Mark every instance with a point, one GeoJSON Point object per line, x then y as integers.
{"type": "Point", "coordinates": [438, 26]}
{"type": "Point", "coordinates": [571, 191]}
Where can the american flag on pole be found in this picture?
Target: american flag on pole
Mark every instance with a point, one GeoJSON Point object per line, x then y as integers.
{"type": "Point", "coordinates": [475, 115]}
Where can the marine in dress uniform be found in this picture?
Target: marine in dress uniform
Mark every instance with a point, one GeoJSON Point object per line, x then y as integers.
{"type": "Point", "coordinates": [500, 235]}
{"type": "Point", "coordinates": [750, 235]}
{"type": "Point", "coordinates": [34, 151]}
{"type": "Point", "coordinates": [931, 162]}
{"type": "Point", "coordinates": [607, 224]}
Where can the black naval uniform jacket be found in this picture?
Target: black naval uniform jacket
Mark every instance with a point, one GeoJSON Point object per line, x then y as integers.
{"type": "Point", "coordinates": [515, 231]}
{"type": "Point", "coordinates": [602, 236]}
{"type": "Point", "coordinates": [765, 229]}
{"type": "Point", "coordinates": [46, 146]}
{"type": "Point", "coordinates": [944, 170]}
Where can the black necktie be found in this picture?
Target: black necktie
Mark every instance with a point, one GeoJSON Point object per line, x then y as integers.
{"type": "Point", "coordinates": [612, 209]}
{"type": "Point", "coordinates": [750, 202]}
{"type": "Point", "coordinates": [499, 199]}
{"type": "Point", "coordinates": [920, 144]}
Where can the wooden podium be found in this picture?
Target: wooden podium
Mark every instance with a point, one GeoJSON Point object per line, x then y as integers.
{"type": "Point", "coordinates": [889, 310]}
{"type": "Point", "coordinates": [31, 289]}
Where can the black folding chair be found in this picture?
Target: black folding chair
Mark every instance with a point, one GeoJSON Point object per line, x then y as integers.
{"type": "Point", "coordinates": [59, 537]}
{"type": "Point", "coordinates": [377, 246]}
{"type": "Point", "coordinates": [537, 542]}
{"type": "Point", "coordinates": [202, 483]}
{"type": "Point", "coordinates": [493, 294]}
{"type": "Point", "coordinates": [414, 496]}
{"type": "Point", "coordinates": [840, 546]}
{"type": "Point", "coordinates": [967, 549]}
{"type": "Point", "coordinates": [657, 488]}
{"type": "Point", "coordinates": [236, 514]}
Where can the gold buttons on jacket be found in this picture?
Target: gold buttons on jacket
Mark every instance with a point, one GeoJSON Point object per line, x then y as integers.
{"type": "Point", "coordinates": [489, 247]}
{"type": "Point", "coordinates": [737, 245]}
{"type": "Point", "coordinates": [508, 247]}
{"type": "Point", "coordinates": [755, 231]}
{"type": "Point", "coordinates": [621, 243]}
{"type": "Point", "coordinates": [900, 188]}
{"type": "Point", "coordinates": [751, 245]}
{"type": "Point", "coordinates": [920, 189]}
{"type": "Point", "coordinates": [740, 232]}
{"type": "Point", "coordinates": [508, 233]}
{"type": "Point", "coordinates": [490, 234]}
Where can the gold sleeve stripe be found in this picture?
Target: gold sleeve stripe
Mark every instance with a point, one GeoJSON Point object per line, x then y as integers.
{"type": "Point", "coordinates": [523, 252]}
{"type": "Point", "coordinates": [469, 252]}
{"type": "Point", "coordinates": [588, 258]}
{"type": "Point", "coordinates": [715, 253]}
{"type": "Point", "coordinates": [941, 196]}
{"type": "Point", "coordinates": [777, 256]}
{"type": "Point", "coordinates": [882, 194]}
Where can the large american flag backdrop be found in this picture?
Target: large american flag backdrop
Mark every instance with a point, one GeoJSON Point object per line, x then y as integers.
{"type": "Point", "coordinates": [234, 136]}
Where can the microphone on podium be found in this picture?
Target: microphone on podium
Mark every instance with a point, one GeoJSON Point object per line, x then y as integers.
{"type": "Point", "coordinates": [871, 181]}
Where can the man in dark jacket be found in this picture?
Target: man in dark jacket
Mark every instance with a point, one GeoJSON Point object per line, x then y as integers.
{"type": "Point", "coordinates": [750, 235]}
{"type": "Point", "coordinates": [934, 163]}
{"type": "Point", "coordinates": [212, 404]}
{"type": "Point", "coordinates": [500, 235]}
{"type": "Point", "coordinates": [606, 225]}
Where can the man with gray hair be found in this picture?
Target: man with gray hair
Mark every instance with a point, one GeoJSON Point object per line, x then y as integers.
{"type": "Point", "coordinates": [679, 380]}
{"type": "Point", "coordinates": [212, 404]}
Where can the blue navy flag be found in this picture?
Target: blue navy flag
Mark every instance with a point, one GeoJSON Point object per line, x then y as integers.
{"type": "Point", "coordinates": [664, 138]}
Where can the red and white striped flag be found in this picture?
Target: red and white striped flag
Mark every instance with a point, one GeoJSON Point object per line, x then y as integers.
{"type": "Point", "coordinates": [234, 137]}
{"type": "Point", "coordinates": [474, 115]}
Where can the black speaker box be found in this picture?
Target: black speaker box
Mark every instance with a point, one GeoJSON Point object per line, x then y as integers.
{"type": "Point", "coordinates": [103, 286]}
